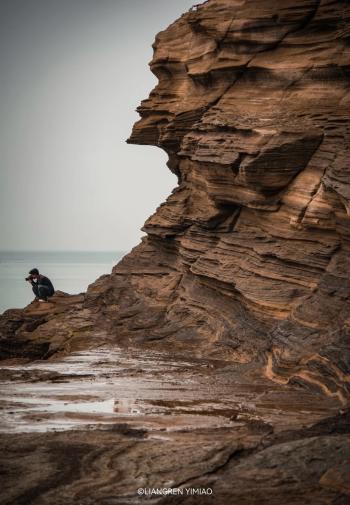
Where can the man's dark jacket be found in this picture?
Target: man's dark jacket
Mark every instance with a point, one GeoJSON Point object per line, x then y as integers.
{"type": "Point", "coordinates": [45, 281]}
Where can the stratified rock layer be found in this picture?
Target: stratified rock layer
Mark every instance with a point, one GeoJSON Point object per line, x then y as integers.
{"type": "Point", "coordinates": [248, 259]}
{"type": "Point", "coordinates": [249, 256]}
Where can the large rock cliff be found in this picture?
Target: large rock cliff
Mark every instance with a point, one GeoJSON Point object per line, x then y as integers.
{"type": "Point", "coordinates": [249, 255]}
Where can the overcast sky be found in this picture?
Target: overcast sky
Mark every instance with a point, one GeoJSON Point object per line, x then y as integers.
{"type": "Point", "coordinates": [72, 73]}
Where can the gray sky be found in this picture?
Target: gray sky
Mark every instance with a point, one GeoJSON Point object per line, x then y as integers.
{"type": "Point", "coordinates": [72, 73]}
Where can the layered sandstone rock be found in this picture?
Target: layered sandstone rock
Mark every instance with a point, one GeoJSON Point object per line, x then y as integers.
{"type": "Point", "coordinates": [249, 256]}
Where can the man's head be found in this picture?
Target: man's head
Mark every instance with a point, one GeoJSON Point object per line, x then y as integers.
{"type": "Point", "coordinates": [34, 272]}
{"type": "Point", "coordinates": [33, 275]}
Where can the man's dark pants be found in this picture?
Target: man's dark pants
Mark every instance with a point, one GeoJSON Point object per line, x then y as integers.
{"type": "Point", "coordinates": [42, 291]}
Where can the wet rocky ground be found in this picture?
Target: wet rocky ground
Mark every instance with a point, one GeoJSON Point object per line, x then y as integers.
{"type": "Point", "coordinates": [96, 426]}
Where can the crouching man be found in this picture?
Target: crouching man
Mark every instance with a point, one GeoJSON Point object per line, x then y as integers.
{"type": "Point", "coordinates": [42, 286]}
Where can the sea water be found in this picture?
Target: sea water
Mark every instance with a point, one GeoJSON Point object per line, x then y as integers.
{"type": "Point", "coordinates": [69, 271]}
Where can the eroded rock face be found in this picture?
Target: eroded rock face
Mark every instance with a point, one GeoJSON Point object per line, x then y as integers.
{"type": "Point", "coordinates": [249, 256]}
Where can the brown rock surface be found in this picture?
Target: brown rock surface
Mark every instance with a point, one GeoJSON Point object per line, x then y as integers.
{"type": "Point", "coordinates": [247, 261]}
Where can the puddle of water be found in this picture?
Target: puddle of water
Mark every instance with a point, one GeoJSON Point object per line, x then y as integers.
{"type": "Point", "coordinates": [147, 389]}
